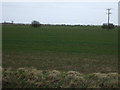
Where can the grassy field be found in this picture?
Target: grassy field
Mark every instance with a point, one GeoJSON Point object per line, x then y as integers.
{"type": "Point", "coordinates": [84, 49]}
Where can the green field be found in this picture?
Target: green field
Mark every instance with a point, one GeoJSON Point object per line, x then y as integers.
{"type": "Point", "coordinates": [81, 48]}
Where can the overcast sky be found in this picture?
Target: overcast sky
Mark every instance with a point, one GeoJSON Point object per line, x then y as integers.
{"type": "Point", "coordinates": [60, 12]}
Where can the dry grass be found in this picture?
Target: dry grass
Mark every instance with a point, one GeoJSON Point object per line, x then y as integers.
{"type": "Point", "coordinates": [33, 78]}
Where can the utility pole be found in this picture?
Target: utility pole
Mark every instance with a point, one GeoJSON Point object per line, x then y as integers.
{"type": "Point", "coordinates": [108, 12]}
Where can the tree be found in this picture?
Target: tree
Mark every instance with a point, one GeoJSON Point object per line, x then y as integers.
{"type": "Point", "coordinates": [106, 26]}
{"type": "Point", "coordinates": [35, 24]}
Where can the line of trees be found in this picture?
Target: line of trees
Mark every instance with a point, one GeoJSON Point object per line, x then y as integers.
{"type": "Point", "coordinates": [36, 24]}
{"type": "Point", "coordinates": [105, 25]}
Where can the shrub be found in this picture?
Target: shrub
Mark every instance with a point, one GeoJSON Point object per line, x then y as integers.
{"type": "Point", "coordinates": [106, 26]}
{"type": "Point", "coordinates": [35, 24]}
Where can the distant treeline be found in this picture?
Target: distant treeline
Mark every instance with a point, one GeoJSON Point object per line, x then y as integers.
{"type": "Point", "coordinates": [5, 23]}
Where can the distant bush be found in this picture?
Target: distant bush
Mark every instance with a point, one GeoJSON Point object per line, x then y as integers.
{"type": "Point", "coordinates": [35, 24]}
{"type": "Point", "coordinates": [106, 26]}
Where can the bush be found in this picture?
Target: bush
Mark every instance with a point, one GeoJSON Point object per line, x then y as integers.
{"type": "Point", "coordinates": [35, 24]}
{"type": "Point", "coordinates": [108, 26]}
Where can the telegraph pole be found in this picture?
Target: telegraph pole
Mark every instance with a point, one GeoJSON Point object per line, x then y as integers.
{"type": "Point", "coordinates": [108, 12]}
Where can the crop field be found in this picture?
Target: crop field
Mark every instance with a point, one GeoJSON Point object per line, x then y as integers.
{"type": "Point", "coordinates": [85, 49]}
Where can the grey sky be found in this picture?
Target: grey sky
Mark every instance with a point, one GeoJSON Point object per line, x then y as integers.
{"type": "Point", "coordinates": [60, 12]}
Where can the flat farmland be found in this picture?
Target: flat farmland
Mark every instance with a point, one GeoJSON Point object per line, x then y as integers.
{"type": "Point", "coordinates": [84, 49]}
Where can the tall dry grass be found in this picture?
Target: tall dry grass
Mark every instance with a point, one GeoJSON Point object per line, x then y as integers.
{"type": "Point", "coordinates": [33, 78]}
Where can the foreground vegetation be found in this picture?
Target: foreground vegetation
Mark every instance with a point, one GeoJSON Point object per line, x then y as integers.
{"type": "Point", "coordinates": [33, 78]}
